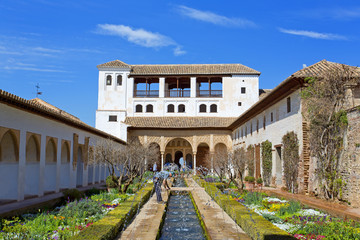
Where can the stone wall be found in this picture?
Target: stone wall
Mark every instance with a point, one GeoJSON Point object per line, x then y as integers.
{"type": "Point", "coordinates": [350, 160]}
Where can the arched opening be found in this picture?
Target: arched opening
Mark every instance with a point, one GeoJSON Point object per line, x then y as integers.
{"type": "Point", "coordinates": [213, 108]}
{"type": "Point", "coordinates": [189, 160]}
{"type": "Point", "coordinates": [79, 168]}
{"type": "Point", "coordinates": [50, 166]}
{"type": "Point", "coordinates": [178, 155]}
{"type": "Point", "coordinates": [149, 108]}
{"type": "Point", "coordinates": [170, 108]}
{"type": "Point", "coordinates": [119, 80]}
{"type": "Point", "coordinates": [181, 108]}
{"type": "Point", "coordinates": [220, 159]}
{"type": "Point", "coordinates": [32, 172]}
{"type": "Point", "coordinates": [138, 108]}
{"type": "Point", "coordinates": [108, 80]}
{"type": "Point", "coordinates": [202, 108]}
{"type": "Point", "coordinates": [65, 166]}
{"type": "Point", "coordinates": [168, 158]}
{"type": "Point", "coordinates": [9, 156]}
{"type": "Point", "coordinates": [154, 156]}
{"type": "Point", "coordinates": [202, 156]}
{"type": "Point", "coordinates": [177, 148]}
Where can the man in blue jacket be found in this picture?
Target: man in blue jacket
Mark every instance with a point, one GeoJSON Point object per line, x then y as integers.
{"type": "Point", "coordinates": [160, 178]}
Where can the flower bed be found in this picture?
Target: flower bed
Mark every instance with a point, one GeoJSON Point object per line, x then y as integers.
{"type": "Point", "coordinates": [63, 222]}
{"type": "Point", "coordinates": [301, 222]}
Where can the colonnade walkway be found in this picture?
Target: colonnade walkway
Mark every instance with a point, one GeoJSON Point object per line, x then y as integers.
{"type": "Point", "coordinates": [218, 224]}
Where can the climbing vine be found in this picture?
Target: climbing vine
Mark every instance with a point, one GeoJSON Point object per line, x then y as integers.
{"type": "Point", "coordinates": [250, 161]}
{"type": "Point", "coordinates": [266, 155]}
{"type": "Point", "coordinates": [291, 160]}
{"type": "Point", "coordinates": [325, 100]}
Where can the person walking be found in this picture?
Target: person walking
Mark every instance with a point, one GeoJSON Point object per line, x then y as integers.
{"type": "Point", "coordinates": [159, 179]}
{"type": "Point", "coordinates": [155, 167]}
{"type": "Point", "coordinates": [182, 165]}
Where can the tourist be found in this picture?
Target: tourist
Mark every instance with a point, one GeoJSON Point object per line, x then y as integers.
{"type": "Point", "coordinates": [182, 164]}
{"type": "Point", "coordinates": [159, 179]}
{"type": "Point", "coordinates": [155, 167]}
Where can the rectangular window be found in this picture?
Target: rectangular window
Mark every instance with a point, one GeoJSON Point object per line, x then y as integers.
{"type": "Point", "coordinates": [112, 118]}
{"type": "Point", "coordinates": [239, 103]}
{"type": "Point", "coordinates": [288, 102]}
{"type": "Point", "coordinates": [272, 117]}
{"type": "Point", "coordinates": [257, 125]}
{"type": "Point", "coordinates": [264, 123]}
{"type": "Point", "coordinates": [243, 90]}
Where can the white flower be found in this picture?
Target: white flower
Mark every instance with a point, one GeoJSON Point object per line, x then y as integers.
{"type": "Point", "coordinates": [311, 212]}
{"type": "Point", "coordinates": [273, 199]}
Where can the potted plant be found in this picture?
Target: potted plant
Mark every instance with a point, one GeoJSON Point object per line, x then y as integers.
{"type": "Point", "coordinates": [249, 182]}
{"type": "Point", "coordinates": [259, 182]}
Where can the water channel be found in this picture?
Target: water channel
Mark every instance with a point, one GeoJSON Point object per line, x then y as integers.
{"type": "Point", "coordinates": [181, 221]}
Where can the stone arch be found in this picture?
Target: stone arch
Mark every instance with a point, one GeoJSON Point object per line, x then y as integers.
{"type": "Point", "coordinates": [226, 140]}
{"type": "Point", "coordinates": [203, 155]}
{"type": "Point", "coordinates": [51, 150]}
{"type": "Point", "coordinates": [79, 167]}
{"type": "Point", "coordinates": [65, 165]}
{"type": "Point", "coordinates": [169, 139]}
{"type": "Point", "coordinates": [33, 149]}
{"type": "Point", "coordinates": [9, 149]}
{"type": "Point", "coordinates": [9, 168]}
{"type": "Point", "coordinates": [50, 165]}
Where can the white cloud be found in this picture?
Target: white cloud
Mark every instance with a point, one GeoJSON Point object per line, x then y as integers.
{"type": "Point", "coordinates": [46, 50]}
{"type": "Point", "coordinates": [140, 37]}
{"type": "Point", "coordinates": [34, 69]}
{"type": "Point", "coordinates": [178, 51]}
{"type": "Point", "coordinates": [214, 18]}
{"type": "Point", "coordinates": [310, 34]}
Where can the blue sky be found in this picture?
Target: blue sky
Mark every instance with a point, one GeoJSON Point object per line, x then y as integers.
{"type": "Point", "coordinates": [59, 43]}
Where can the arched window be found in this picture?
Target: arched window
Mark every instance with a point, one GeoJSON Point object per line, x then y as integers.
{"type": "Point", "coordinates": [119, 80]}
{"type": "Point", "coordinates": [171, 108]}
{"type": "Point", "coordinates": [202, 108]}
{"type": "Point", "coordinates": [213, 108]}
{"type": "Point", "coordinates": [108, 80]}
{"type": "Point", "coordinates": [50, 156]}
{"type": "Point", "coordinates": [8, 148]}
{"type": "Point", "coordinates": [181, 108]}
{"type": "Point", "coordinates": [65, 153]}
{"type": "Point", "coordinates": [149, 108]}
{"type": "Point", "coordinates": [138, 108]}
{"type": "Point", "coordinates": [32, 150]}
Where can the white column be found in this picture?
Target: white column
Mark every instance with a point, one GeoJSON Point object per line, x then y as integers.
{"type": "Point", "coordinates": [22, 166]}
{"type": "Point", "coordinates": [58, 166]}
{"type": "Point", "coordinates": [193, 87]}
{"type": "Point", "coordinates": [162, 161]}
{"type": "Point", "coordinates": [194, 163]}
{"type": "Point", "coordinates": [42, 165]}
{"type": "Point", "coordinates": [212, 162]}
{"type": "Point", "coordinates": [161, 87]}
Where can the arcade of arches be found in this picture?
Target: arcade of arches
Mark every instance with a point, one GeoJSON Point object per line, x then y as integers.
{"type": "Point", "coordinates": [196, 150]}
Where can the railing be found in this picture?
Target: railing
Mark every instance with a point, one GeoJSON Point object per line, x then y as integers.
{"type": "Point", "coordinates": [177, 93]}
{"type": "Point", "coordinates": [209, 93]}
{"type": "Point", "coordinates": [146, 93]}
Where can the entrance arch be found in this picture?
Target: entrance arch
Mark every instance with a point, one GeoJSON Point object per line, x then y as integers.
{"type": "Point", "coordinates": [176, 148]}
{"type": "Point", "coordinates": [203, 156]}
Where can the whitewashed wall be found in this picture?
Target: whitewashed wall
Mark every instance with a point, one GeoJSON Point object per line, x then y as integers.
{"type": "Point", "coordinates": [22, 178]}
{"type": "Point", "coordinates": [282, 123]}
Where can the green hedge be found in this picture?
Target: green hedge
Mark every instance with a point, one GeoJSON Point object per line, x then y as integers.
{"type": "Point", "coordinates": [253, 224]}
{"type": "Point", "coordinates": [110, 226]}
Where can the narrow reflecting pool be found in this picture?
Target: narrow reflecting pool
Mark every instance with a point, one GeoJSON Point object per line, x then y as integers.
{"type": "Point", "coordinates": [181, 221]}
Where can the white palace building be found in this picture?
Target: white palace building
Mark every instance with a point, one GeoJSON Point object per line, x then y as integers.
{"type": "Point", "coordinates": [189, 111]}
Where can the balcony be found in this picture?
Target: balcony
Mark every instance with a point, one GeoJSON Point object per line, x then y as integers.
{"type": "Point", "coordinates": [209, 93]}
{"type": "Point", "coordinates": [177, 93]}
{"type": "Point", "coordinates": [146, 93]}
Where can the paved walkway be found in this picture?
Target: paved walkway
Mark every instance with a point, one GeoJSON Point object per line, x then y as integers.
{"type": "Point", "coordinates": [218, 224]}
{"type": "Point", "coordinates": [332, 208]}
{"type": "Point", "coordinates": [10, 209]}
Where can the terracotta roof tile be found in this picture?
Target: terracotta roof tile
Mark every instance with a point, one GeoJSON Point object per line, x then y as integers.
{"type": "Point", "coordinates": [40, 107]}
{"type": "Point", "coordinates": [112, 64]}
{"type": "Point", "coordinates": [179, 122]}
{"type": "Point", "coordinates": [181, 69]}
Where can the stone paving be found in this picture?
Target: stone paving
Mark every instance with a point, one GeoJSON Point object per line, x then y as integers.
{"type": "Point", "coordinates": [218, 224]}
{"type": "Point", "coordinates": [332, 208]}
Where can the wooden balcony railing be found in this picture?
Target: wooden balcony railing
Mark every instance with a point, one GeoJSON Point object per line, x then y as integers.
{"type": "Point", "coordinates": [209, 93]}
{"type": "Point", "coordinates": [177, 93]}
{"type": "Point", "coordinates": [146, 93]}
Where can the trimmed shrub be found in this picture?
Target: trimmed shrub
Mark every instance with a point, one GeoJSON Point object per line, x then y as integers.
{"type": "Point", "coordinates": [266, 154]}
